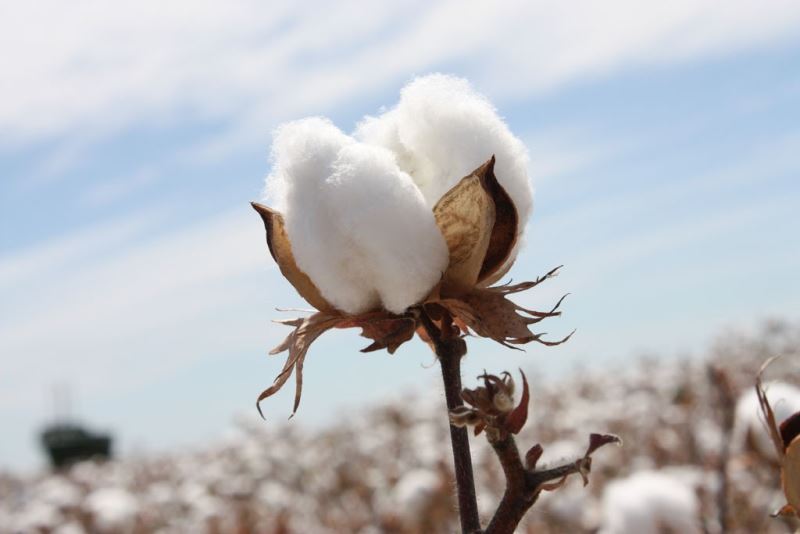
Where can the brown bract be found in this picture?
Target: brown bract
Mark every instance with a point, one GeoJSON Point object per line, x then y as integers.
{"type": "Point", "coordinates": [786, 439]}
{"type": "Point", "coordinates": [480, 225]}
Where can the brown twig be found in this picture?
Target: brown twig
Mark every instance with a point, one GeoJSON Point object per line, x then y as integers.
{"type": "Point", "coordinates": [450, 348]}
{"type": "Point", "coordinates": [524, 485]}
{"type": "Point", "coordinates": [518, 497]}
{"type": "Point", "coordinates": [727, 402]}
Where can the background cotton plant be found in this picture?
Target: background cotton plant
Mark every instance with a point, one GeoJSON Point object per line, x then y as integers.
{"type": "Point", "coordinates": [402, 229]}
{"type": "Point", "coordinates": [386, 467]}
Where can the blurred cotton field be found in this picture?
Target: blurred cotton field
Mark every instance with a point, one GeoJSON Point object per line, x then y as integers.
{"type": "Point", "coordinates": [387, 468]}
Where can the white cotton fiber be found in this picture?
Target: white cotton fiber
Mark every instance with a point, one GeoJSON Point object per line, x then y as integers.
{"type": "Point", "coordinates": [359, 209]}
{"type": "Point", "coordinates": [441, 130]}
{"type": "Point", "coordinates": [650, 502]}
{"type": "Point", "coordinates": [359, 227]}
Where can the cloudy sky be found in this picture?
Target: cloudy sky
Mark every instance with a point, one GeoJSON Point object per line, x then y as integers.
{"type": "Point", "coordinates": [665, 144]}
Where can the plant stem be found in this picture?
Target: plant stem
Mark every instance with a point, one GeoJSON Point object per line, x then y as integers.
{"type": "Point", "coordinates": [518, 496]}
{"type": "Point", "coordinates": [450, 350]}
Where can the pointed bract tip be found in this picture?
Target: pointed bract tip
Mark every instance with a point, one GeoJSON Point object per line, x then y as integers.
{"type": "Point", "coordinates": [262, 210]}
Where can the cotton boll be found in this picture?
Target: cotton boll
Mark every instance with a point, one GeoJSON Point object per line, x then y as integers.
{"type": "Point", "coordinates": [415, 491]}
{"type": "Point", "coordinates": [441, 130]}
{"type": "Point", "coordinates": [650, 502]}
{"type": "Point", "coordinates": [114, 509]}
{"type": "Point", "coordinates": [392, 232]}
{"type": "Point", "coordinates": [303, 152]}
{"type": "Point", "coordinates": [359, 227]}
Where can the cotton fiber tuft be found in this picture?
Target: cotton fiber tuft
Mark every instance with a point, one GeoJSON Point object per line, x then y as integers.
{"type": "Point", "coordinates": [358, 209]}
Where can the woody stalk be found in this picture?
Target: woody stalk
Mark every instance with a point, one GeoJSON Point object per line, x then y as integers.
{"type": "Point", "coordinates": [402, 229]}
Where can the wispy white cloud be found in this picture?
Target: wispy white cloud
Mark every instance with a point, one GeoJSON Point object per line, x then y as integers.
{"type": "Point", "coordinates": [104, 66]}
{"type": "Point", "coordinates": [113, 190]}
{"type": "Point", "coordinates": [30, 265]}
{"type": "Point", "coordinates": [178, 287]}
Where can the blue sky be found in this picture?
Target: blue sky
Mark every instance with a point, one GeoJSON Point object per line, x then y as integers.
{"type": "Point", "coordinates": [665, 145]}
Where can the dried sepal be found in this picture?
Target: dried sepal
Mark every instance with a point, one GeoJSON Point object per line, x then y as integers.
{"type": "Point", "coordinates": [505, 230]}
{"type": "Point", "coordinates": [281, 250]}
{"type": "Point", "coordinates": [489, 313]}
{"type": "Point", "coordinates": [462, 416]}
{"type": "Point", "coordinates": [465, 216]}
{"type": "Point", "coordinates": [387, 331]}
{"type": "Point", "coordinates": [306, 330]}
{"type": "Point", "coordinates": [599, 440]}
{"type": "Point", "coordinates": [517, 419]}
{"type": "Point", "coordinates": [553, 478]}
{"type": "Point", "coordinates": [480, 398]}
{"type": "Point", "coordinates": [790, 475]}
{"type": "Point", "coordinates": [766, 410]}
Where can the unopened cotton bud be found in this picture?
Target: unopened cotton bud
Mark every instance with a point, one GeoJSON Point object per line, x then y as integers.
{"type": "Point", "coordinates": [503, 402]}
{"type": "Point", "coordinates": [463, 416]}
{"type": "Point", "coordinates": [508, 382]}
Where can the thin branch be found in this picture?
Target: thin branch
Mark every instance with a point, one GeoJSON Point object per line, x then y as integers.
{"type": "Point", "coordinates": [449, 350]}
{"type": "Point", "coordinates": [727, 402]}
{"type": "Point", "coordinates": [524, 485]}
{"type": "Point", "coordinates": [518, 497]}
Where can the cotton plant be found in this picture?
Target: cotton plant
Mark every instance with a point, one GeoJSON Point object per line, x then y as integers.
{"type": "Point", "coordinates": [785, 437]}
{"type": "Point", "coordinates": [401, 228]}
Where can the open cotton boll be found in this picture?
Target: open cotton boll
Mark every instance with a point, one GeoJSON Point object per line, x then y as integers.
{"type": "Point", "coordinates": [441, 130]}
{"type": "Point", "coordinates": [359, 227]}
{"type": "Point", "coordinates": [650, 502]}
{"type": "Point", "coordinates": [391, 230]}
{"type": "Point", "coordinates": [303, 152]}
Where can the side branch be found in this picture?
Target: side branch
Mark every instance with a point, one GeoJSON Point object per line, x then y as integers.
{"type": "Point", "coordinates": [518, 497]}
{"type": "Point", "coordinates": [524, 483]}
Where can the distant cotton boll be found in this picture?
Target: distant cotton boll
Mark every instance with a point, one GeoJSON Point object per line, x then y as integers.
{"type": "Point", "coordinates": [359, 227]}
{"type": "Point", "coordinates": [650, 502]}
{"type": "Point", "coordinates": [113, 508]}
{"type": "Point", "coordinates": [414, 491]}
{"type": "Point", "coordinates": [441, 130]}
{"type": "Point", "coordinates": [59, 492]}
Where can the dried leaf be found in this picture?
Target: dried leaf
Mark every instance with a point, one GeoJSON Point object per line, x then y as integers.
{"type": "Point", "coordinates": [787, 510]}
{"type": "Point", "coordinates": [497, 261]}
{"type": "Point", "coordinates": [281, 250]}
{"type": "Point", "coordinates": [466, 215]}
{"type": "Point", "coordinates": [386, 330]}
{"type": "Point", "coordinates": [462, 416]}
{"type": "Point", "coordinates": [532, 456]}
{"type": "Point", "coordinates": [599, 440]}
{"type": "Point", "coordinates": [297, 343]}
{"type": "Point", "coordinates": [766, 410]}
{"type": "Point", "coordinates": [517, 419]}
{"type": "Point", "coordinates": [790, 429]}
{"type": "Point", "coordinates": [790, 474]}
{"type": "Point", "coordinates": [553, 486]}
{"type": "Point", "coordinates": [489, 313]}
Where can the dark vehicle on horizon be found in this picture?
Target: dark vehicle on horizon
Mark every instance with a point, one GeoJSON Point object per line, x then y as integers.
{"type": "Point", "coordinates": [67, 443]}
